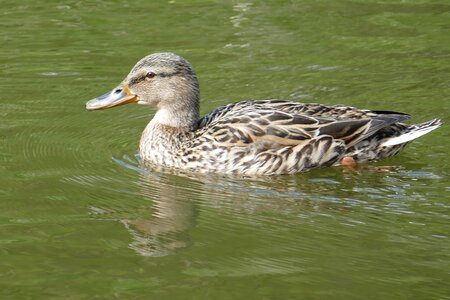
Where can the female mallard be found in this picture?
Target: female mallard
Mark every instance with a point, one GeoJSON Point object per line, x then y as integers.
{"type": "Point", "coordinates": [251, 137]}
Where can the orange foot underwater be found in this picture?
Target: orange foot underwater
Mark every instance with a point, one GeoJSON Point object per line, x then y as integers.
{"type": "Point", "coordinates": [348, 161]}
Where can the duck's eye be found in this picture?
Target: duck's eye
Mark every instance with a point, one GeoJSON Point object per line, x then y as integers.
{"type": "Point", "coordinates": [150, 75]}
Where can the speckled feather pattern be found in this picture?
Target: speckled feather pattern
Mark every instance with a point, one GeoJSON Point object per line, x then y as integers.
{"type": "Point", "coordinates": [273, 137]}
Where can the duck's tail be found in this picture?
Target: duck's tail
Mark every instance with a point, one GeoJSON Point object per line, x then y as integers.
{"type": "Point", "coordinates": [413, 132]}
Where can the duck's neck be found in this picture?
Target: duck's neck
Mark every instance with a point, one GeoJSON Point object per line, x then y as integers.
{"type": "Point", "coordinates": [183, 120]}
{"type": "Point", "coordinates": [170, 128]}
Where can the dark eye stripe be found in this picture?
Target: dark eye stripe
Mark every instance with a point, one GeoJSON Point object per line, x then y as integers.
{"type": "Point", "coordinates": [142, 78]}
{"type": "Point", "coordinates": [137, 80]}
{"type": "Point", "coordinates": [168, 74]}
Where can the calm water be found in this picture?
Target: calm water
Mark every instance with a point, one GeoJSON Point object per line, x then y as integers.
{"type": "Point", "coordinates": [80, 220]}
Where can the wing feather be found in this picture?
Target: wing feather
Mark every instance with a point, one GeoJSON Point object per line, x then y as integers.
{"type": "Point", "coordinates": [313, 131]}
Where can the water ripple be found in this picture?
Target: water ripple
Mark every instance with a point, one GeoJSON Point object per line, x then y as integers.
{"type": "Point", "coordinates": [179, 201]}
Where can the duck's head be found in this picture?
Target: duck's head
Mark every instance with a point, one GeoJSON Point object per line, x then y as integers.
{"type": "Point", "coordinates": [164, 81]}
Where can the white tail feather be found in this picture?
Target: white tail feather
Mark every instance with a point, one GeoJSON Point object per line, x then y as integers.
{"type": "Point", "coordinates": [420, 130]}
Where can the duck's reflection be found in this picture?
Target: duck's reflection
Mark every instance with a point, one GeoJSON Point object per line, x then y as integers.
{"type": "Point", "coordinates": [172, 215]}
{"type": "Point", "coordinates": [164, 226]}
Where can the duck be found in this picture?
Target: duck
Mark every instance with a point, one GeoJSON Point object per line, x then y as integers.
{"type": "Point", "coordinates": [255, 137]}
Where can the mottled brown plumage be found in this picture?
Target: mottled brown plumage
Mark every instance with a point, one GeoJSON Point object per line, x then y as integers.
{"type": "Point", "coordinates": [251, 137]}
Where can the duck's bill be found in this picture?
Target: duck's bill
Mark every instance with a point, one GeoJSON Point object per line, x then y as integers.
{"type": "Point", "coordinates": [118, 96]}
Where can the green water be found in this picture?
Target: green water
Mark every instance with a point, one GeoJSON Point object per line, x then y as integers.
{"type": "Point", "coordinates": [80, 220]}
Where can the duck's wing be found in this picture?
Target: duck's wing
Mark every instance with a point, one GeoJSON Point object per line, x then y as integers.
{"type": "Point", "coordinates": [290, 123]}
{"type": "Point", "coordinates": [268, 137]}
